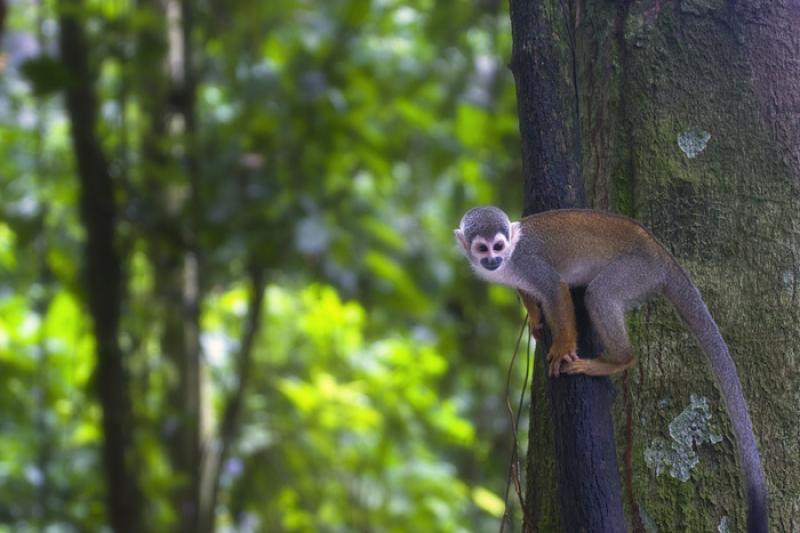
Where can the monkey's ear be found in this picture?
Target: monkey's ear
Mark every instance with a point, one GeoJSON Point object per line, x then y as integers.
{"type": "Point", "coordinates": [461, 239]}
{"type": "Point", "coordinates": [514, 233]}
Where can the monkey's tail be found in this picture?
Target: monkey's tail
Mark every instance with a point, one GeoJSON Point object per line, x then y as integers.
{"type": "Point", "coordinates": [690, 306]}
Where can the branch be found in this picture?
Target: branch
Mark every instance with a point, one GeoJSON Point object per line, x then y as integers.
{"type": "Point", "coordinates": [216, 452]}
{"type": "Point", "coordinates": [577, 425]}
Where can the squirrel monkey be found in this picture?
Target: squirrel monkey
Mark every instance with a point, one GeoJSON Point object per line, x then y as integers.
{"type": "Point", "coordinates": [621, 264]}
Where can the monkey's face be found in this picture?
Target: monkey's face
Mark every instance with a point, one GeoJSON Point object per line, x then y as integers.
{"type": "Point", "coordinates": [488, 239]}
{"type": "Point", "coordinates": [489, 253]}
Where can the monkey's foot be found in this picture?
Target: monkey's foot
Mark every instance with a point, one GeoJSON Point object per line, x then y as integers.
{"type": "Point", "coordinates": [596, 367]}
{"type": "Point", "coordinates": [556, 358]}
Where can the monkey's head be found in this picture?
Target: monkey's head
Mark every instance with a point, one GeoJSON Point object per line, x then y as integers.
{"type": "Point", "coordinates": [488, 238]}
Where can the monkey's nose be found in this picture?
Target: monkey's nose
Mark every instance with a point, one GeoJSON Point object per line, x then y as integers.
{"type": "Point", "coordinates": [491, 263]}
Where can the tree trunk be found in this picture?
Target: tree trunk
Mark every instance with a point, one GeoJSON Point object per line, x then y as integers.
{"type": "Point", "coordinates": [189, 401]}
{"type": "Point", "coordinates": [664, 89]}
{"type": "Point", "coordinates": [579, 447]}
{"type": "Point", "coordinates": [692, 126]}
{"type": "Point", "coordinates": [102, 274]}
{"type": "Point", "coordinates": [167, 83]}
{"type": "Point", "coordinates": [3, 12]}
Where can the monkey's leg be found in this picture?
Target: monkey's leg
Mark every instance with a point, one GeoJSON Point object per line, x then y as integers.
{"type": "Point", "coordinates": [609, 295]}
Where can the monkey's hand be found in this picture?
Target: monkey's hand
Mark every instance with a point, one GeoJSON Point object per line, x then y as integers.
{"type": "Point", "coordinates": [560, 354]}
{"type": "Point", "coordinates": [599, 366]}
{"type": "Point", "coordinates": [536, 329]}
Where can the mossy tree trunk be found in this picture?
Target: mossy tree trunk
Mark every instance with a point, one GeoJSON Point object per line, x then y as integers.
{"type": "Point", "coordinates": [691, 124]}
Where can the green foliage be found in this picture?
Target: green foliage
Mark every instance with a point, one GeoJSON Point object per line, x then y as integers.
{"type": "Point", "coordinates": [336, 146]}
{"type": "Point", "coordinates": [45, 74]}
{"type": "Point", "coordinates": [355, 435]}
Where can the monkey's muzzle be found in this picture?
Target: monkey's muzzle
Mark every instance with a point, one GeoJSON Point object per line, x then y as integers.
{"type": "Point", "coordinates": [491, 263]}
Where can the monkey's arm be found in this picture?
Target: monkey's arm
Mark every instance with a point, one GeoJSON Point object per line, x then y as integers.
{"type": "Point", "coordinates": [560, 315]}
{"type": "Point", "coordinates": [546, 286]}
{"type": "Point", "coordinates": [534, 314]}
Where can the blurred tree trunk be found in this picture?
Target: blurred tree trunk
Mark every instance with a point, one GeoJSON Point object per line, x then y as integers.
{"type": "Point", "coordinates": [103, 274]}
{"type": "Point", "coordinates": [564, 410]}
{"type": "Point", "coordinates": [690, 122]}
{"type": "Point", "coordinates": [167, 92]}
{"type": "Point", "coordinates": [3, 12]}
{"type": "Point", "coordinates": [187, 453]}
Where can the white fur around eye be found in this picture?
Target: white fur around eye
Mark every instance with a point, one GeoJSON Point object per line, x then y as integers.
{"type": "Point", "coordinates": [480, 247]}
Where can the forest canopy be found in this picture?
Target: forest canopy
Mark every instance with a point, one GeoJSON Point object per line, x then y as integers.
{"type": "Point", "coordinates": [283, 180]}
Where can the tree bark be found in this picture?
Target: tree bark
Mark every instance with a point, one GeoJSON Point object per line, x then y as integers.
{"type": "Point", "coordinates": [547, 114]}
{"type": "Point", "coordinates": [692, 125]}
{"type": "Point", "coordinates": [103, 278]}
{"type": "Point", "coordinates": [579, 449]}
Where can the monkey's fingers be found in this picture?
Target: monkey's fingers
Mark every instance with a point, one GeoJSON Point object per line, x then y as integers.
{"type": "Point", "coordinates": [552, 361]}
{"type": "Point", "coordinates": [555, 361]}
{"type": "Point", "coordinates": [555, 354]}
{"type": "Point", "coordinates": [579, 366]}
{"type": "Point", "coordinates": [553, 364]}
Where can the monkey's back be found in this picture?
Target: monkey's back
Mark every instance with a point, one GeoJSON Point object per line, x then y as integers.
{"type": "Point", "coordinates": [578, 243]}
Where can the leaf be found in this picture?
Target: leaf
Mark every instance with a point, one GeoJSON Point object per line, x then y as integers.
{"type": "Point", "coordinates": [488, 501]}
{"type": "Point", "coordinates": [384, 233]}
{"type": "Point", "coordinates": [473, 125]}
{"type": "Point", "coordinates": [396, 280]}
{"type": "Point", "coordinates": [45, 74]}
{"type": "Point", "coordinates": [7, 252]}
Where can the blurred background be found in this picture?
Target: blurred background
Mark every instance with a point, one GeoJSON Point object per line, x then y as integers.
{"type": "Point", "coordinates": [284, 336]}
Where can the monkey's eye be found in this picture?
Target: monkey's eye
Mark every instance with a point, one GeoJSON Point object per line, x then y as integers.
{"type": "Point", "coordinates": [498, 246]}
{"type": "Point", "coordinates": [482, 248]}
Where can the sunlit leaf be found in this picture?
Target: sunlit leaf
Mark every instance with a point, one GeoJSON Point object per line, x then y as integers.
{"type": "Point", "coordinates": [395, 279]}
{"type": "Point", "coordinates": [7, 257]}
{"type": "Point", "coordinates": [488, 501]}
